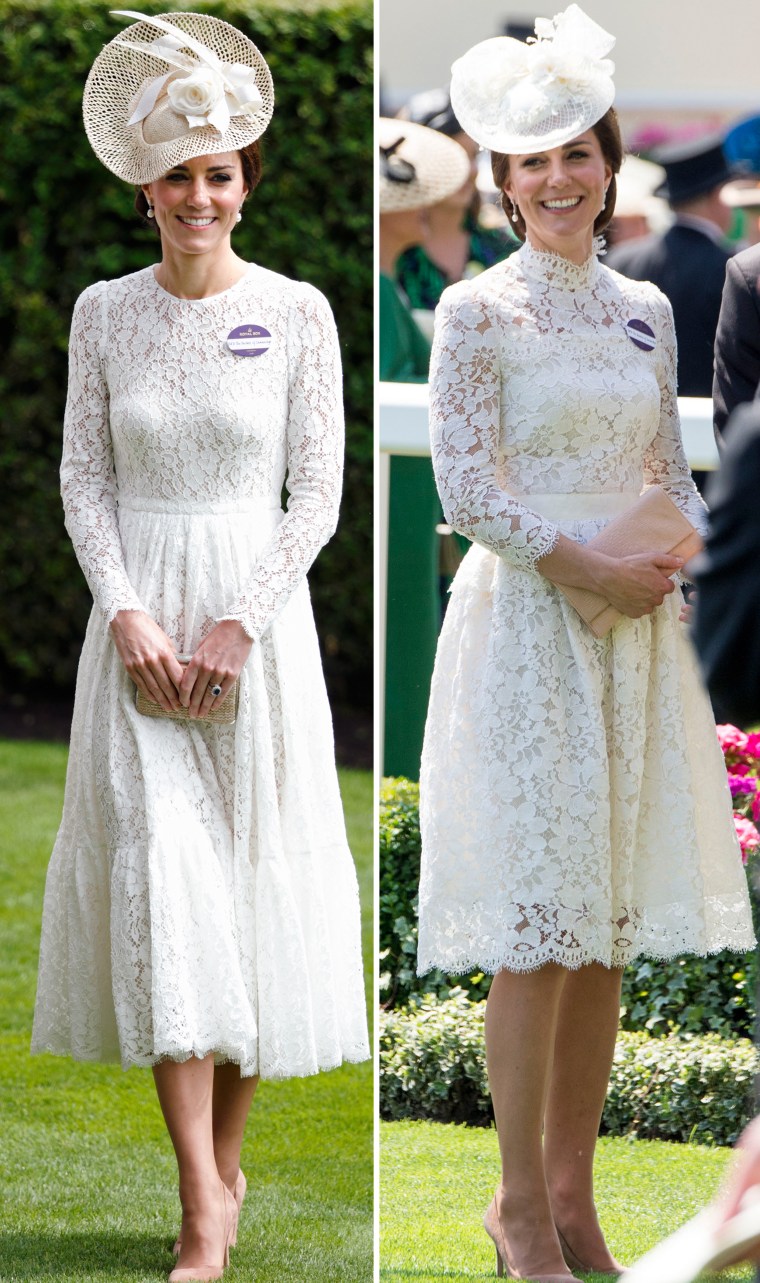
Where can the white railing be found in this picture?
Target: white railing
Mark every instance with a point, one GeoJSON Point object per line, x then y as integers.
{"type": "Point", "coordinates": [403, 420]}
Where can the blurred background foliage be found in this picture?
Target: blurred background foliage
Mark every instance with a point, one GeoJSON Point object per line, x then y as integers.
{"type": "Point", "coordinates": [66, 222]}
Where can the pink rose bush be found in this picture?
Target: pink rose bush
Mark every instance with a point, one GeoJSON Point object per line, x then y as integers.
{"type": "Point", "coordinates": [742, 756]}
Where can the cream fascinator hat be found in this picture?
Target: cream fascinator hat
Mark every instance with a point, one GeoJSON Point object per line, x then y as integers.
{"type": "Point", "coordinates": [418, 166]}
{"type": "Point", "coordinates": [171, 88]}
{"type": "Point", "coordinates": [517, 97]}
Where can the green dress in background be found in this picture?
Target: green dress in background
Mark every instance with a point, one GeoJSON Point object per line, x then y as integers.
{"type": "Point", "coordinates": [413, 611]}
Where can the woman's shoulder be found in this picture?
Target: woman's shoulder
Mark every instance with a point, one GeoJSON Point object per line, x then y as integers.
{"type": "Point", "coordinates": [631, 291]}
{"type": "Point", "coordinates": [290, 291]}
{"type": "Point", "coordinates": [482, 294]}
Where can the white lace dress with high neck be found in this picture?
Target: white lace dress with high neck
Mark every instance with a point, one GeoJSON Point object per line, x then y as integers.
{"type": "Point", "coordinates": [574, 802]}
{"type": "Point", "coordinates": [201, 897]}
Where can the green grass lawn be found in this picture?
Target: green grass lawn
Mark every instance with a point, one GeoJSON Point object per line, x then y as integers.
{"type": "Point", "coordinates": [87, 1176]}
{"type": "Point", "coordinates": [436, 1181]}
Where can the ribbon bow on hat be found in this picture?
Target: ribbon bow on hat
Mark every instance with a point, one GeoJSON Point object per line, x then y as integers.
{"type": "Point", "coordinates": [209, 92]}
{"type": "Point", "coordinates": [518, 97]}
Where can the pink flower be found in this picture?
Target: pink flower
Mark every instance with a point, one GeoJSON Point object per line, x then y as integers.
{"type": "Point", "coordinates": [740, 782]}
{"type": "Point", "coordinates": [756, 807]}
{"type": "Point", "coordinates": [741, 769]}
{"type": "Point", "coordinates": [749, 838]}
{"type": "Point", "coordinates": [753, 745]}
{"type": "Point", "coordinates": [731, 739]}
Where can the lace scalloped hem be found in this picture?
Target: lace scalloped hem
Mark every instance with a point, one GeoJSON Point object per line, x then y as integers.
{"type": "Point", "coordinates": [522, 963]}
{"type": "Point", "coordinates": [248, 1069]}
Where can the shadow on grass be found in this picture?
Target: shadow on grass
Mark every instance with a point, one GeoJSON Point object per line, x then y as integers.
{"type": "Point", "coordinates": [79, 1255]}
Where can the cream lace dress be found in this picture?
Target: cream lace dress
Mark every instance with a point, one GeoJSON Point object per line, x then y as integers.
{"type": "Point", "coordinates": [201, 895]}
{"type": "Point", "coordinates": [574, 802]}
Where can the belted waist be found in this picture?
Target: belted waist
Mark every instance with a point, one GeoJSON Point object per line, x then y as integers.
{"type": "Point", "coordinates": [200, 507]}
{"type": "Point", "coordinates": [577, 506]}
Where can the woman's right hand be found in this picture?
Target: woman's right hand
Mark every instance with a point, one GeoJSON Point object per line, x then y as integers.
{"type": "Point", "coordinates": [635, 585]}
{"type": "Point", "coordinates": [149, 658]}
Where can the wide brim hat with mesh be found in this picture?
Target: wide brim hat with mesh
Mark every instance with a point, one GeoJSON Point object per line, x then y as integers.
{"type": "Point", "coordinates": [518, 97]}
{"type": "Point", "coordinates": [418, 166]}
{"type": "Point", "coordinates": [173, 87]}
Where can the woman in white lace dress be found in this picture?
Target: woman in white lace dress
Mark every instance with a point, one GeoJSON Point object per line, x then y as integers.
{"type": "Point", "coordinates": [574, 805]}
{"type": "Point", "coordinates": [201, 911]}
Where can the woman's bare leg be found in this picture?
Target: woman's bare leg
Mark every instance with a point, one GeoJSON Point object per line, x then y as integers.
{"type": "Point", "coordinates": [185, 1094]}
{"type": "Point", "coordinates": [585, 1042]}
{"type": "Point", "coordinates": [521, 1020]}
{"type": "Point", "coordinates": [231, 1102]}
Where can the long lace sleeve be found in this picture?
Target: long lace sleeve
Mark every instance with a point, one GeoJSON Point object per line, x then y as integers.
{"type": "Point", "coordinates": [465, 401]}
{"type": "Point", "coordinates": [665, 462]}
{"type": "Point", "coordinates": [315, 466]}
{"type": "Point", "coordinates": [88, 480]}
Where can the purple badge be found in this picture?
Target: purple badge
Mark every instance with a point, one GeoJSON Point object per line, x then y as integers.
{"type": "Point", "coordinates": [249, 340]}
{"type": "Point", "coordinates": [640, 334]}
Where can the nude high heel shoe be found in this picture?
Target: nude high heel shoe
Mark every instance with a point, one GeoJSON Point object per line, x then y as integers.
{"type": "Point", "coordinates": [241, 1186]}
{"type": "Point", "coordinates": [208, 1273]}
{"type": "Point", "coordinates": [493, 1229]}
{"type": "Point", "coordinates": [575, 1264]}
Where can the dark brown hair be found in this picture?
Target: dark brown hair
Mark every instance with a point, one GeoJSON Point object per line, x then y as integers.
{"type": "Point", "coordinates": [250, 161]}
{"type": "Point", "coordinates": [607, 131]}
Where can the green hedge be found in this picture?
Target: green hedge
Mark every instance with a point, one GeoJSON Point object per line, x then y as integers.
{"type": "Point", "coordinates": [65, 222]}
{"type": "Point", "coordinates": [692, 995]}
{"type": "Point", "coordinates": [432, 1066]}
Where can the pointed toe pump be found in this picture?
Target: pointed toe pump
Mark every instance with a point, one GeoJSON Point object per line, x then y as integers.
{"type": "Point", "coordinates": [493, 1228]}
{"type": "Point", "coordinates": [209, 1273]}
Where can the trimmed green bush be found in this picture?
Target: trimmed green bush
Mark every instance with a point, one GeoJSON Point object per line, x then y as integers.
{"type": "Point", "coordinates": [432, 1066]}
{"type": "Point", "coordinates": [65, 222]}
{"type": "Point", "coordinates": [692, 995]}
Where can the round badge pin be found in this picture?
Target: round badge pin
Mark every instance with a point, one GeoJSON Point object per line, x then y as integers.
{"type": "Point", "coordinates": [640, 334]}
{"type": "Point", "coordinates": [249, 340]}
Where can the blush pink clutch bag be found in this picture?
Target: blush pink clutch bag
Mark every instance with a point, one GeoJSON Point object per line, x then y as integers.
{"type": "Point", "coordinates": [653, 524]}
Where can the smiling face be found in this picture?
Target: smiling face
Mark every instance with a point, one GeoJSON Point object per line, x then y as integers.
{"type": "Point", "coordinates": [196, 204]}
{"type": "Point", "coordinates": [559, 193]}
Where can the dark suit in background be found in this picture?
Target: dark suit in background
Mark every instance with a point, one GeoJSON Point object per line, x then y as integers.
{"type": "Point", "coordinates": [689, 267]}
{"type": "Point", "coordinates": [737, 342]}
{"type": "Point", "coordinates": [727, 615]}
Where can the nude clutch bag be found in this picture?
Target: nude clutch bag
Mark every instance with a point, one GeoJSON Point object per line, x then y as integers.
{"type": "Point", "coordinates": [224, 713]}
{"type": "Point", "coordinates": [654, 523]}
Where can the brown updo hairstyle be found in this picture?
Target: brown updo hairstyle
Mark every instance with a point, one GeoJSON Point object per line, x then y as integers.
{"type": "Point", "coordinates": [250, 161]}
{"type": "Point", "coordinates": [607, 131]}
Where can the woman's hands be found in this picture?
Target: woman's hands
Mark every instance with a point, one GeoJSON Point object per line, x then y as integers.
{"type": "Point", "coordinates": [635, 585]}
{"type": "Point", "coordinates": [217, 661]}
{"type": "Point", "coordinates": [149, 658]}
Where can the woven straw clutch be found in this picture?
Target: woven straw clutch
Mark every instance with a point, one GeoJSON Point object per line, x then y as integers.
{"type": "Point", "coordinates": [223, 714]}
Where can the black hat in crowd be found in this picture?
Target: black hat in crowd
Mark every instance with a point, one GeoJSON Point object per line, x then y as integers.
{"type": "Point", "coordinates": [691, 169]}
{"type": "Point", "coordinates": [432, 108]}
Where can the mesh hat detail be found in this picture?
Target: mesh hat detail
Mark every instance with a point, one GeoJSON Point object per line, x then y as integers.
{"type": "Point", "coordinates": [418, 166]}
{"type": "Point", "coordinates": [518, 97]}
{"type": "Point", "coordinates": [171, 88]}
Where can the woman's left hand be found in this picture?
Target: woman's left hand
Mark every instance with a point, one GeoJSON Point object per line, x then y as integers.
{"type": "Point", "coordinates": [217, 662]}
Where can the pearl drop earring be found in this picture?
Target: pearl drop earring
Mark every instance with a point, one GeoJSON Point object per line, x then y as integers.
{"type": "Point", "coordinates": [239, 218]}
{"type": "Point", "coordinates": [150, 212]}
{"type": "Point", "coordinates": [514, 212]}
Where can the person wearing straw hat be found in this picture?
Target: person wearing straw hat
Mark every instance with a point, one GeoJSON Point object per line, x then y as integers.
{"type": "Point", "coordinates": [418, 168]}
{"type": "Point", "coordinates": [552, 755]}
{"type": "Point", "coordinates": [201, 913]}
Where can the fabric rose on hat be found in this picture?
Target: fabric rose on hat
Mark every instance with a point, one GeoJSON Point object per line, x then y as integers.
{"type": "Point", "coordinates": [196, 95]}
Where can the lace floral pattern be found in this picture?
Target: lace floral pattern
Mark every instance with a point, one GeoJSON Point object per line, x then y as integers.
{"type": "Point", "coordinates": [574, 805]}
{"type": "Point", "coordinates": [201, 896]}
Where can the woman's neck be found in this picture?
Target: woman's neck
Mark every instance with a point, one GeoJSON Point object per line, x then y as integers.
{"type": "Point", "coordinates": [194, 276]}
{"type": "Point", "coordinates": [576, 249]}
